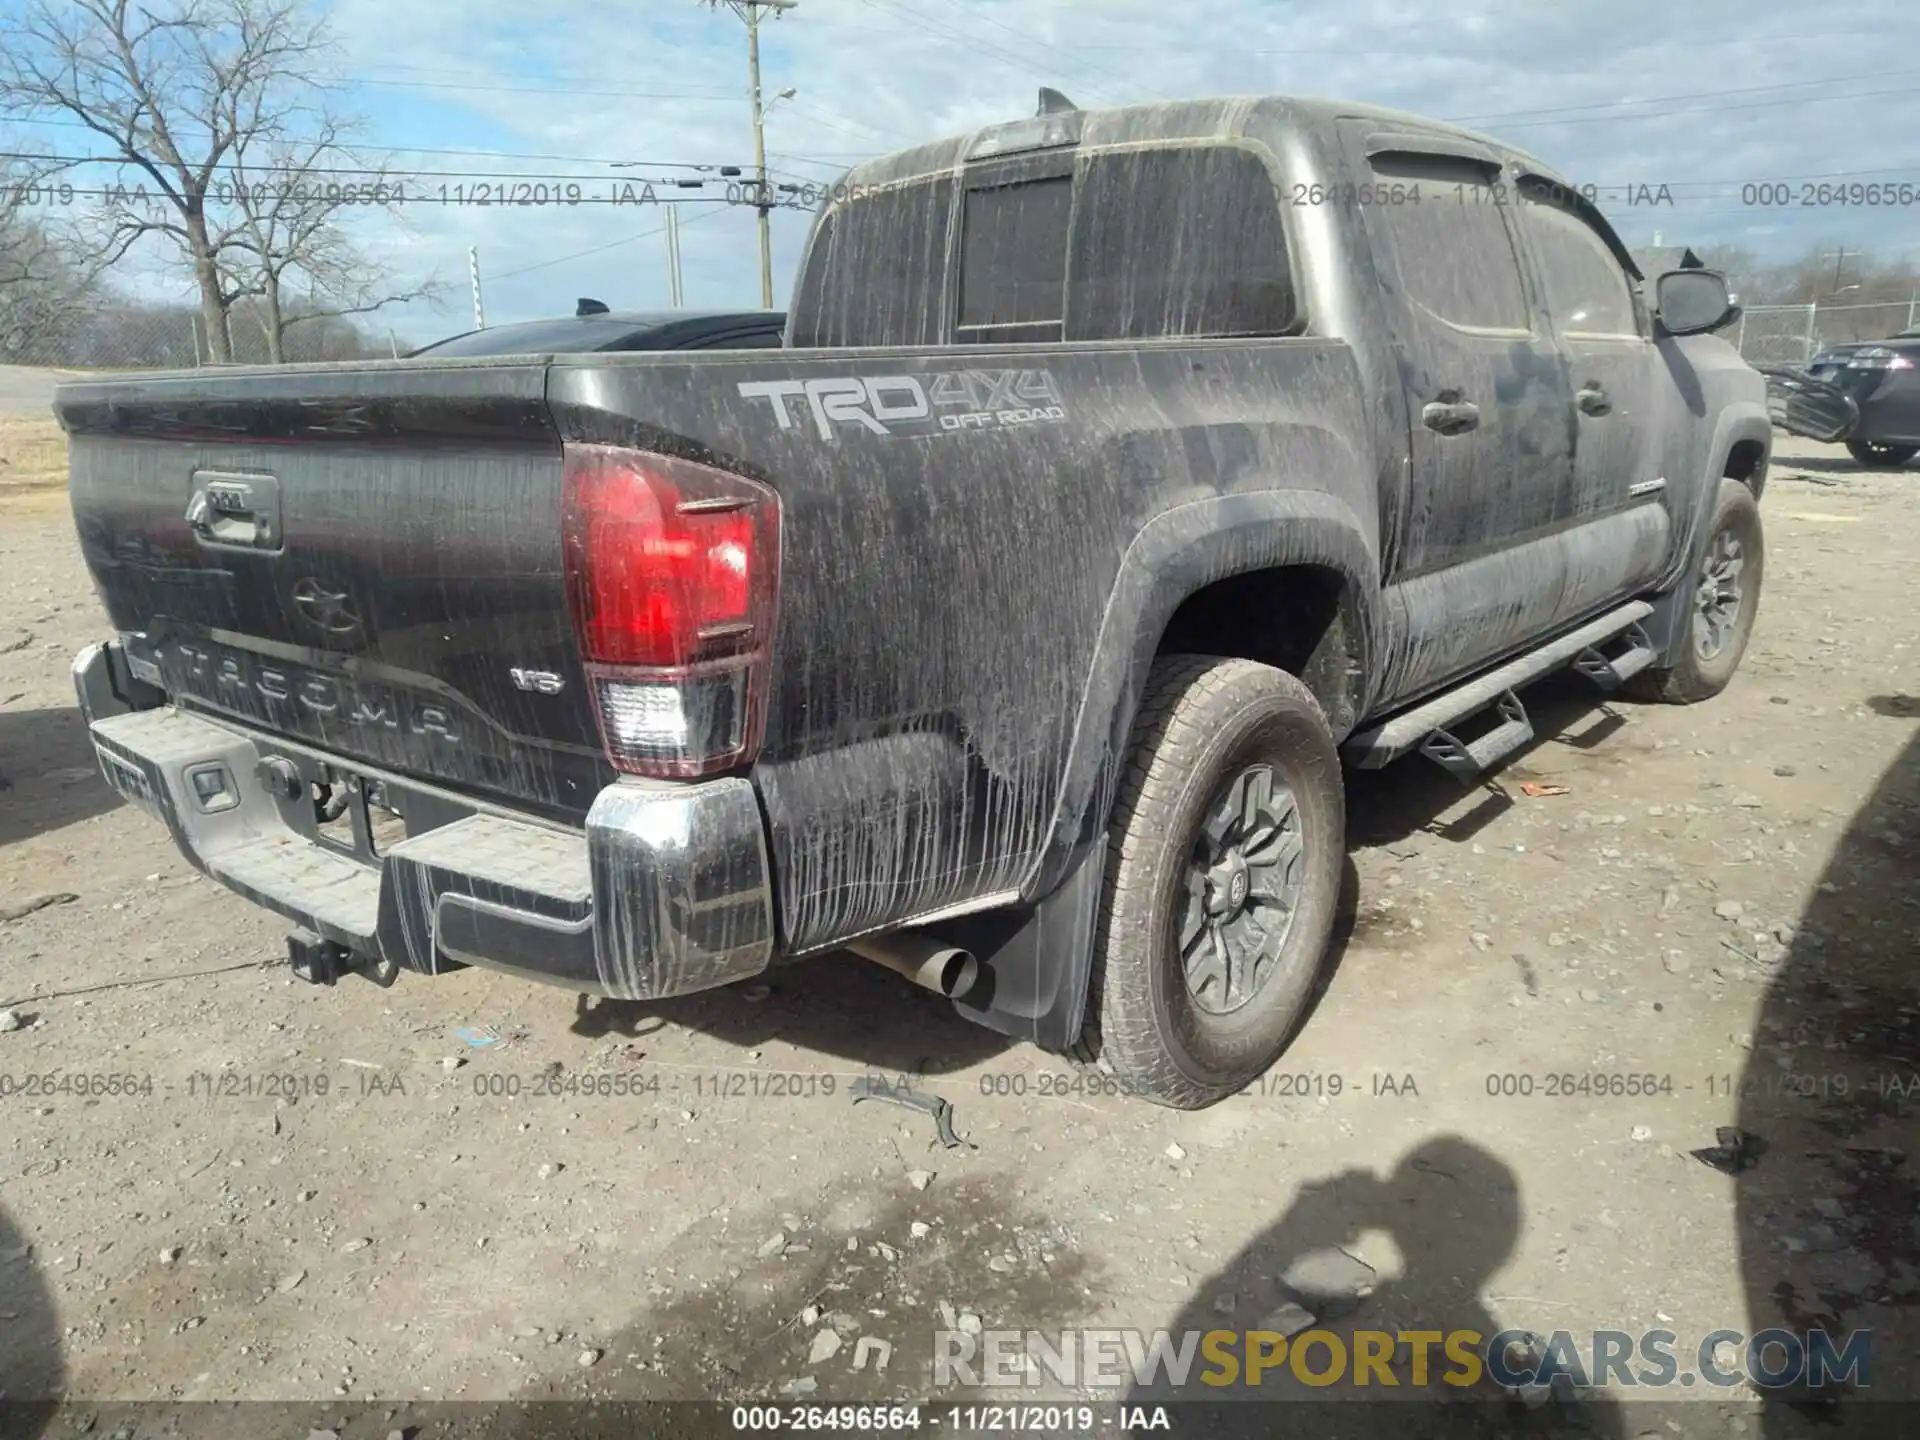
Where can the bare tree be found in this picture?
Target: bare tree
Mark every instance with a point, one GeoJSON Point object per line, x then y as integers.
{"type": "Point", "coordinates": [1738, 263]}
{"type": "Point", "coordinates": [290, 249]}
{"type": "Point", "coordinates": [42, 285]}
{"type": "Point", "coordinates": [181, 92]}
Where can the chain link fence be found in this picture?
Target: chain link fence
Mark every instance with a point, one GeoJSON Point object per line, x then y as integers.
{"type": "Point", "coordinates": [1794, 334]}
{"type": "Point", "coordinates": [82, 336]}
{"type": "Point", "coordinates": [120, 336]}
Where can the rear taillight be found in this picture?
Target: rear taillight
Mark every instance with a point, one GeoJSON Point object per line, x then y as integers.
{"type": "Point", "coordinates": [1879, 357]}
{"type": "Point", "coordinates": [673, 578]}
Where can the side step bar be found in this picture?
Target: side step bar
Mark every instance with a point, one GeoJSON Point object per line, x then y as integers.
{"type": "Point", "coordinates": [1610, 672]}
{"type": "Point", "coordinates": [1425, 726]}
{"type": "Point", "coordinates": [1466, 760]}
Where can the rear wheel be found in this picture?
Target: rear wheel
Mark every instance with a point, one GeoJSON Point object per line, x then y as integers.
{"type": "Point", "coordinates": [1873, 452]}
{"type": "Point", "coordinates": [1223, 872]}
{"type": "Point", "coordinates": [1726, 598]}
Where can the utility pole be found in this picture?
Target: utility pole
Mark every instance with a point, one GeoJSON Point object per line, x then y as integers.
{"type": "Point", "coordinates": [473, 276]}
{"type": "Point", "coordinates": [676, 296]}
{"type": "Point", "coordinates": [749, 11]}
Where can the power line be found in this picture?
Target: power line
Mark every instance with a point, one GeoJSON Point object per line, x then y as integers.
{"type": "Point", "coordinates": [749, 11]}
{"type": "Point", "coordinates": [820, 118]}
{"type": "Point", "coordinates": [1470, 53]}
{"type": "Point", "coordinates": [1049, 45]}
{"type": "Point", "coordinates": [498, 89]}
{"type": "Point", "coordinates": [394, 175]}
{"type": "Point", "coordinates": [1006, 57]}
{"type": "Point", "coordinates": [481, 154]}
{"type": "Point", "coordinates": [1675, 99]}
{"type": "Point", "coordinates": [488, 203]}
{"type": "Point", "coordinates": [1700, 109]}
{"type": "Point", "coordinates": [1479, 53]}
{"type": "Point", "coordinates": [248, 166]}
{"type": "Point", "coordinates": [558, 77]}
{"type": "Point", "coordinates": [599, 249]}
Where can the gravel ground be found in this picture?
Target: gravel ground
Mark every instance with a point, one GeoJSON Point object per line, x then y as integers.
{"type": "Point", "coordinates": [331, 1196]}
{"type": "Point", "coordinates": [27, 390]}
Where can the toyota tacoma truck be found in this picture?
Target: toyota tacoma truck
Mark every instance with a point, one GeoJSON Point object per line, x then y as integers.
{"type": "Point", "coordinates": [1124, 475]}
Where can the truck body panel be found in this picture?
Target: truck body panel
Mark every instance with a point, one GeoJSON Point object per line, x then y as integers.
{"type": "Point", "coordinates": [1445, 423]}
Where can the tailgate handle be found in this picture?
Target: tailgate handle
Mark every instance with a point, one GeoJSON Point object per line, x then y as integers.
{"type": "Point", "coordinates": [235, 512]}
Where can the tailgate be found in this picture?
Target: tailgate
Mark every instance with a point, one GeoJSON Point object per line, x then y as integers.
{"type": "Point", "coordinates": [366, 557]}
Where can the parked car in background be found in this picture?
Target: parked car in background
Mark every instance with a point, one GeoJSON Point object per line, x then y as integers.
{"type": "Point", "coordinates": [1882, 378]}
{"type": "Point", "coordinates": [593, 328]}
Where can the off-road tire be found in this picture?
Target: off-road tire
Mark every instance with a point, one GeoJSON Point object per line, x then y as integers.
{"type": "Point", "coordinates": [1881, 456]}
{"type": "Point", "coordinates": [1695, 678]}
{"type": "Point", "coordinates": [1201, 720]}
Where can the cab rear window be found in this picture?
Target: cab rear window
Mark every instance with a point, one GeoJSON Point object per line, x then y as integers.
{"type": "Point", "coordinates": [1168, 241]}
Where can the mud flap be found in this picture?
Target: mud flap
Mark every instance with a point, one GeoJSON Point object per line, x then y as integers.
{"type": "Point", "coordinates": [1035, 961]}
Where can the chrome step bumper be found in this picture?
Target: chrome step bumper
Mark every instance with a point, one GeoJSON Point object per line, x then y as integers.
{"type": "Point", "coordinates": [665, 891]}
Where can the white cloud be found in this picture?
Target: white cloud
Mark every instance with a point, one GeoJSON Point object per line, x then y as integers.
{"type": "Point", "coordinates": [586, 79]}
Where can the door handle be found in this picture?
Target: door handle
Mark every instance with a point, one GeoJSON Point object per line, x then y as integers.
{"type": "Point", "coordinates": [1593, 400]}
{"type": "Point", "coordinates": [1451, 417]}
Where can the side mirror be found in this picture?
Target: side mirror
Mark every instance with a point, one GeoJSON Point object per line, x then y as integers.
{"type": "Point", "coordinates": [1693, 302]}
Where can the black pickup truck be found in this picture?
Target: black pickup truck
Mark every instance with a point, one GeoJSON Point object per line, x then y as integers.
{"type": "Point", "coordinates": [1124, 472]}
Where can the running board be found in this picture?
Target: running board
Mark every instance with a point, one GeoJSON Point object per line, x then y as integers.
{"type": "Point", "coordinates": [1467, 759]}
{"type": "Point", "coordinates": [1610, 672]}
{"type": "Point", "coordinates": [1425, 726]}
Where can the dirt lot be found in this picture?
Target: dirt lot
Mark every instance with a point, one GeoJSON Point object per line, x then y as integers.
{"type": "Point", "coordinates": [1724, 897]}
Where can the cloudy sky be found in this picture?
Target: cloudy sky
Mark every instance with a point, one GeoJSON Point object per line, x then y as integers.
{"type": "Point", "coordinates": [1703, 97]}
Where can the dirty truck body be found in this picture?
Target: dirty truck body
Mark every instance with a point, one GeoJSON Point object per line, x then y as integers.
{"type": "Point", "coordinates": [680, 666]}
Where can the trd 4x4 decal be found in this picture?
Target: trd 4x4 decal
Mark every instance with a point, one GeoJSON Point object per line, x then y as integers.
{"type": "Point", "coordinates": [950, 400]}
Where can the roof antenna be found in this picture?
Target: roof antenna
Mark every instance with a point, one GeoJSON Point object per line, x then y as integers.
{"type": "Point", "coordinates": [589, 307]}
{"type": "Point", "coordinates": [1052, 102]}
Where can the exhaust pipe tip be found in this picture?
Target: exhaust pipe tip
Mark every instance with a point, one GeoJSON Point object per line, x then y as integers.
{"type": "Point", "coordinates": [947, 970]}
{"type": "Point", "coordinates": [959, 974]}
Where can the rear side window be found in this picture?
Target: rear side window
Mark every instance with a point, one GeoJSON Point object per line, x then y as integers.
{"type": "Point", "coordinates": [1586, 289]}
{"type": "Point", "coordinates": [876, 270]}
{"type": "Point", "coordinates": [1013, 253]}
{"type": "Point", "coordinates": [1182, 241]}
{"type": "Point", "coordinates": [1450, 245]}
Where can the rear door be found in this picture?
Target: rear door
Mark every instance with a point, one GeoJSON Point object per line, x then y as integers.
{"type": "Point", "coordinates": [1616, 372]}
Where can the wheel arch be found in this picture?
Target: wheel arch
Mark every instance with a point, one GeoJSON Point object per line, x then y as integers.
{"type": "Point", "coordinates": [1741, 447]}
{"type": "Point", "coordinates": [1038, 954]}
{"type": "Point", "coordinates": [1188, 569]}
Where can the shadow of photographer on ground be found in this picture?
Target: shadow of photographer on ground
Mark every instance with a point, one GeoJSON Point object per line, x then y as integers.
{"type": "Point", "coordinates": [1453, 1212]}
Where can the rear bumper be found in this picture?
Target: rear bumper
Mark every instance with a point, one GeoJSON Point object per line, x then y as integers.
{"type": "Point", "coordinates": [665, 892]}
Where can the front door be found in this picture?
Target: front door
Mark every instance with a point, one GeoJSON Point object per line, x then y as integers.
{"type": "Point", "coordinates": [1615, 372]}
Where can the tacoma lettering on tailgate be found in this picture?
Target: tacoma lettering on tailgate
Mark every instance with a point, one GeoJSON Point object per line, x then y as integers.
{"type": "Point", "coordinates": [302, 700]}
